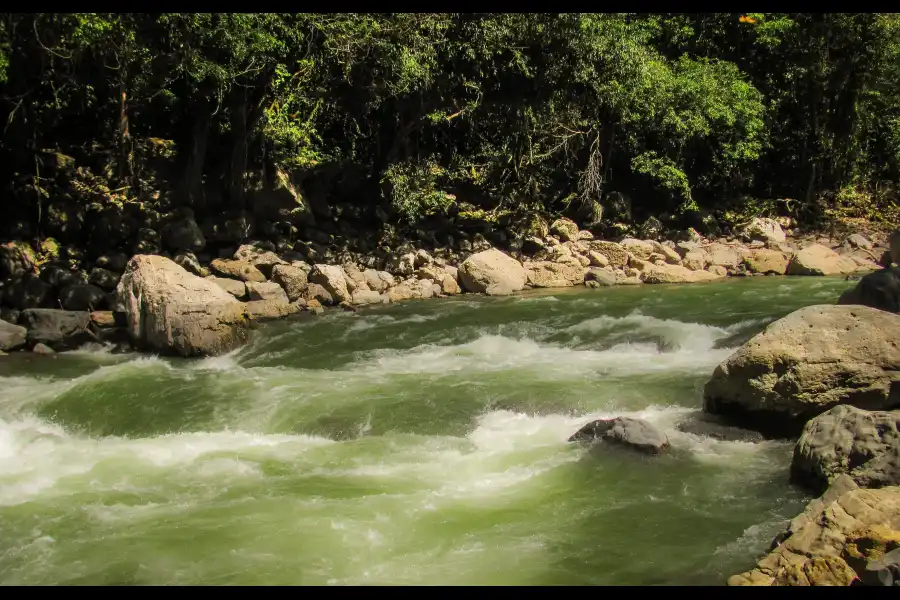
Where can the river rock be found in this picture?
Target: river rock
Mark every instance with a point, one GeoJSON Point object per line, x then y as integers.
{"type": "Point", "coordinates": [270, 309]}
{"type": "Point", "coordinates": [565, 229]}
{"type": "Point", "coordinates": [818, 571]}
{"type": "Point", "coordinates": [824, 528]}
{"type": "Point", "coordinates": [722, 255]}
{"type": "Point", "coordinates": [874, 554]}
{"type": "Point", "coordinates": [316, 292]}
{"type": "Point", "coordinates": [333, 279]}
{"type": "Point", "coordinates": [83, 296]}
{"type": "Point", "coordinates": [40, 348]}
{"type": "Point", "coordinates": [104, 319]}
{"type": "Point", "coordinates": [859, 241]}
{"type": "Point", "coordinates": [817, 259]}
{"type": "Point", "coordinates": [292, 279]}
{"type": "Point", "coordinates": [764, 262]}
{"type": "Point", "coordinates": [103, 279]}
{"type": "Point", "coordinates": [597, 260]}
{"type": "Point", "coordinates": [666, 273]}
{"type": "Point", "coordinates": [634, 433]}
{"type": "Point", "coordinates": [847, 440]}
{"type": "Point", "coordinates": [236, 269]}
{"type": "Point", "coordinates": [880, 289]}
{"type": "Point", "coordinates": [493, 273]}
{"type": "Point", "coordinates": [261, 258]}
{"type": "Point", "coordinates": [546, 274]}
{"type": "Point", "coordinates": [706, 425]}
{"type": "Point", "coordinates": [804, 364]}
{"type": "Point", "coordinates": [362, 297]}
{"type": "Point", "coordinates": [356, 280]}
{"type": "Point", "coordinates": [58, 329]}
{"type": "Point", "coordinates": [638, 248]}
{"type": "Point", "coordinates": [171, 310]}
{"type": "Point", "coordinates": [616, 255]}
{"type": "Point", "coordinates": [767, 230]}
{"type": "Point", "coordinates": [379, 281]}
{"type": "Point", "coordinates": [266, 290]}
{"type": "Point", "coordinates": [12, 337]}
{"type": "Point", "coordinates": [403, 264]}
{"type": "Point", "coordinates": [187, 260]}
{"type": "Point", "coordinates": [695, 260]}
{"type": "Point", "coordinates": [236, 288]}
{"type": "Point", "coordinates": [601, 277]}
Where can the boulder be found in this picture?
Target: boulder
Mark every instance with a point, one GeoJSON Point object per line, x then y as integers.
{"type": "Point", "coordinates": [634, 433]}
{"type": "Point", "coordinates": [361, 297]}
{"type": "Point", "coordinates": [764, 262]}
{"type": "Point", "coordinates": [695, 260]}
{"type": "Point", "coordinates": [114, 261]}
{"type": "Point", "coordinates": [236, 269]}
{"type": "Point", "coordinates": [666, 273]}
{"type": "Point", "coordinates": [236, 288]}
{"type": "Point", "coordinates": [356, 280]}
{"type": "Point", "coordinates": [492, 272]}
{"type": "Point", "coordinates": [266, 290]}
{"type": "Point", "coordinates": [706, 425]}
{"type": "Point", "coordinates": [170, 310]}
{"type": "Point", "coordinates": [767, 230]}
{"type": "Point", "coordinates": [40, 348]}
{"type": "Point", "coordinates": [817, 259]}
{"type": "Point", "coordinates": [260, 257]}
{"type": "Point", "coordinates": [333, 279]}
{"type": "Point", "coordinates": [26, 292]}
{"type": "Point", "coordinates": [60, 276]}
{"type": "Point", "coordinates": [641, 249]}
{"type": "Point", "coordinates": [722, 255]}
{"type": "Point", "coordinates": [379, 281]}
{"type": "Point", "coordinates": [880, 289]}
{"type": "Point", "coordinates": [859, 241]}
{"type": "Point", "coordinates": [103, 319]}
{"type": "Point", "coordinates": [565, 229]}
{"type": "Point", "coordinates": [806, 363]}
{"type": "Point", "coordinates": [847, 440]}
{"type": "Point", "coordinates": [269, 310]}
{"type": "Point", "coordinates": [597, 259]}
{"type": "Point", "coordinates": [824, 529]}
{"type": "Point", "coordinates": [17, 259]}
{"type": "Point", "coordinates": [545, 274]}
{"type": "Point", "coordinates": [601, 277]}
{"type": "Point", "coordinates": [615, 254]}
{"type": "Point", "coordinates": [292, 279]}
{"type": "Point", "coordinates": [874, 554]}
{"type": "Point", "coordinates": [83, 296]}
{"type": "Point", "coordinates": [316, 292]}
{"type": "Point", "coordinates": [12, 337]}
{"type": "Point", "coordinates": [58, 329]}
{"type": "Point", "coordinates": [403, 264]}
{"type": "Point", "coordinates": [817, 571]}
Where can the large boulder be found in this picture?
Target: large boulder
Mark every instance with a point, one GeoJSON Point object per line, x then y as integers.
{"type": "Point", "coordinates": [830, 526]}
{"type": "Point", "coordinates": [847, 440]}
{"type": "Point", "coordinates": [546, 274]}
{"type": "Point", "coordinates": [806, 363]}
{"type": "Point", "coordinates": [880, 289]}
{"type": "Point", "coordinates": [260, 257]}
{"type": "Point", "coordinates": [764, 262]}
{"type": "Point", "coordinates": [236, 288]}
{"type": "Point", "coordinates": [723, 255]}
{"type": "Point", "coordinates": [183, 234]}
{"type": "Point", "coordinates": [58, 329]}
{"type": "Point", "coordinates": [266, 290]}
{"type": "Point", "coordinates": [316, 292]}
{"type": "Point", "coordinates": [170, 310]}
{"type": "Point", "coordinates": [626, 431]}
{"type": "Point", "coordinates": [379, 281]}
{"type": "Point", "coordinates": [641, 249]}
{"type": "Point", "coordinates": [333, 279]}
{"type": "Point", "coordinates": [11, 336]}
{"type": "Point", "coordinates": [696, 259]}
{"type": "Point", "coordinates": [292, 279]}
{"type": "Point", "coordinates": [817, 259]}
{"type": "Point", "coordinates": [492, 272]}
{"type": "Point", "coordinates": [236, 269]}
{"type": "Point", "coordinates": [616, 255]}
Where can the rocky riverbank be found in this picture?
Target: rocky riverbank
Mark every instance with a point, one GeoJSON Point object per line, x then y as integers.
{"type": "Point", "coordinates": [60, 306]}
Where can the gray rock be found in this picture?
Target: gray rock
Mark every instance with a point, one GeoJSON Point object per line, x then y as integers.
{"type": "Point", "coordinates": [26, 292]}
{"type": "Point", "coordinates": [634, 433]}
{"type": "Point", "coordinates": [847, 440]}
{"type": "Point", "coordinates": [83, 296]}
{"type": "Point", "coordinates": [59, 276]}
{"type": "Point", "coordinates": [103, 279]}
{"type": "Point", "coordinates": [708, 426]}
{"type": "Point", "coordinates": [884, 571]}
{"type": "Point", "coordinates": [183, 234]}
{"type": "Point", "coordinates": [42, 349]}
{"type": "Point", "coordinates": [58, 329]}
{"type": "Point", "coordinates": [12, 336]}
{"type": "Point", "coordinates": [114, 261]}
{"type": "Point", "coordinates": [806, 363]}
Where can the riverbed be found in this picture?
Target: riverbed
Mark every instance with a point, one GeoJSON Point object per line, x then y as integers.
{"type": "Point", "coordinates": [422, 443]}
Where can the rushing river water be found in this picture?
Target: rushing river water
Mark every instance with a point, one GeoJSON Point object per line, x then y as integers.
{"type": "Point", "coordinates": [422, 443]}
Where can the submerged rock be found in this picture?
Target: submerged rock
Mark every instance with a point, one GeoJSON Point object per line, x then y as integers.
{"type": "Point", "coordinates": [634, 433]}
{"type": "Point", "coordinates": [846, 440]}
{"type": "Point", "coordinates": [804, 364]}
{"type": "Point", "coordinates": [171, 310]}
{"type": "Point", "coordinates": [706, 425]}
{"type": "Point", "coordinates": [58, 329]}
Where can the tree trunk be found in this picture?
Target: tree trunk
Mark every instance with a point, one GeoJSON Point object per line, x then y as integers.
{"type": "Point", "coordinates": [126, 162]}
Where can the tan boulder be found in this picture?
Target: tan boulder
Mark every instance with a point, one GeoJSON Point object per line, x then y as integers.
{"type": "Point", "coordinates": [493, 273]}
{"type": "Point", "coordinates": [817, 259]}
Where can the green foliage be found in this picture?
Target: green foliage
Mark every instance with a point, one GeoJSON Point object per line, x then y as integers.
{"type": "Point", "coordinates": [527, 112]}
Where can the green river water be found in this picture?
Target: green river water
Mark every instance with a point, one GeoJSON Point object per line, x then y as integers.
{"type": "Point", "coordinates": [422, 443]}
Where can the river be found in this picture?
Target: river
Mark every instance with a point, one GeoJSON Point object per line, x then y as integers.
{"type": "Point", "coordinates": [419, 443]}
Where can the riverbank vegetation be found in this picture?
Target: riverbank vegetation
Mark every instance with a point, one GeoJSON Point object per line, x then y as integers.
{"type": "Point", "coordinates": [413, 118]}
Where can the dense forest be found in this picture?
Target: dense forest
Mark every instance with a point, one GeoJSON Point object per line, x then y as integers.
{"type": "Point", "coordinates": [412, 119]}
